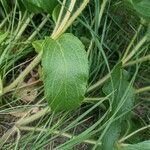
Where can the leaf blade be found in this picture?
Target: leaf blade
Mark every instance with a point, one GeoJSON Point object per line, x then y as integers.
{"type": "Point", "coordinates": [64, 63]}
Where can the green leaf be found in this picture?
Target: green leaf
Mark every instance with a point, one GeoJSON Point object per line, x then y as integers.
{"type": "Point", "coordinates": [111, 135]}
{"type": "Point", "coordinates": [124, 98]}
{"type": "Point", "coordinates": [119, 84]}
{"type": "Point", "coordinates": [55, 13]}
{"type": "Point", "coordinates": [38, 45]}
{"type": "Point", "coordinates": [65, 72]}
{"type": "Point", "coordinates": [38, 6]}
{"type": "Point", "coordinates": [140, 146]}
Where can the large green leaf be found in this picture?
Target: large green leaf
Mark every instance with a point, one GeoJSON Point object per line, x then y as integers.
{"type": "Point", "coordinates": [123, 98]}
{"type": "Point", "coordinates": [65, 71]}
{"type": "Point", "coordinates": [140, 146]}
{"type": "Point", "coordinates": [37, 6]}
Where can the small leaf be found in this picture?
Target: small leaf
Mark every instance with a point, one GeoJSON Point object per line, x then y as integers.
{"type": "Point", "coordinates": [65, 72]}
{"type": "Point", "coordinates": [38, 6]}
{"type": "Point", "coordinates": [111, 135]}
{"type": "Point", "coordinates": [38, 45]}
{"type": "Point", "coordinates": [55, 13]}
{"type": "Point", "coordinates": [140, 146]}
{"type": "Point", "coordinates": [40, 72]}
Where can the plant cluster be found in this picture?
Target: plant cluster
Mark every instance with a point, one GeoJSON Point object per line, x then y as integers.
{"type": "Point", "coordinates": [74, 74]}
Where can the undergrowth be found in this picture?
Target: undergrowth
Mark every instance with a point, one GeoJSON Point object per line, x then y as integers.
{"type": "Point", "coordinates": [113, 36]}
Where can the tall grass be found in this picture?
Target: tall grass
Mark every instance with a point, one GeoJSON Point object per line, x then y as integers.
{"type": "Point", "coordinates": [112, 35]}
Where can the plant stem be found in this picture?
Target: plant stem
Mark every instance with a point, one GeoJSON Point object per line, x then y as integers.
{"type": "Point", "coordinates": [59, 17]}
{"type": "Point", "coordinates": [75, 15]}
{"type": "Point", "coordinates": [133, 133]}
{"type": "Point", "coordinates": [5, 20]}
{"type": "Point", "coordinates": [22, 121]}
{"type": "Point", "coordinates": [135, 49]}
{"type": "Point", "coordinates": [26, 23]}
{"type": "Point", "coordinates": [91, 99]}
{"type": "Point", "coordinates": [6, 136]}
{"type": "Point", "coordinates": [21, 77]}
{"type": "Point", "coordinates": [141, 90]}
{"type": "Point", "coordinates": [39, 28]}
{"type": "Point", "coordinates": [25, 121]}
{"type": "Point", "coordinates": [31, 65]}
{"type": "Point", "coordinates": [18, 138]}
{"type": "Point", "coordinates": [101, 12]}
{"type": "Point", "coordinates": [66, 18]}
{"type": "Point", "coordinates": [132, 41]}
{"type": "Point", "coordinates": [10, 46]}
{"type": "Point", "coordinates": [67, 135]}
{"type": "Point", "coordinates": [139, 60]}
{"type": "Point", "coordinates": [105, 78]}
{"type": "Point", "coordinates": [103, 5]}
{"type": "Point", "coordinates": [100, 82]}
